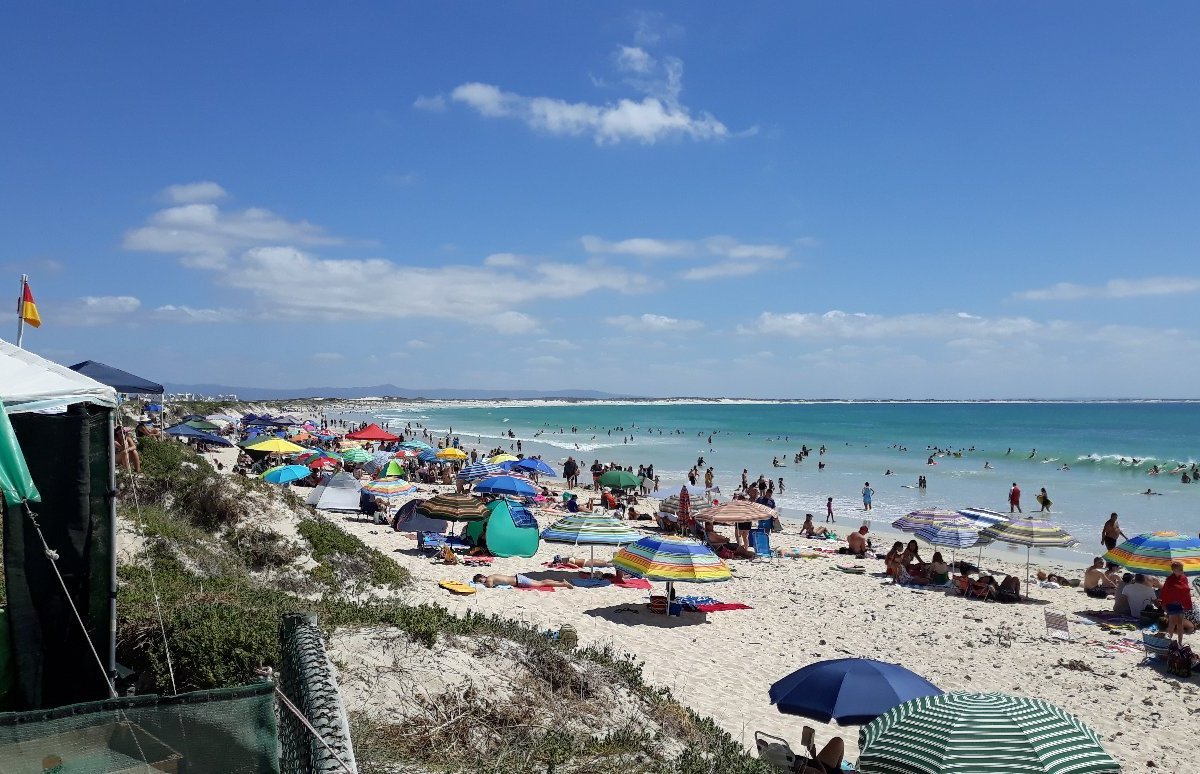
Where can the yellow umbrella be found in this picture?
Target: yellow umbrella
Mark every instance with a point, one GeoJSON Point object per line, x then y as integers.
{"type": "Point", "coordinates": [276, 446]}
{"type": "Point", "coordinates": [502, 458]}
{"type": "Point", "coordinates": [452, 454]}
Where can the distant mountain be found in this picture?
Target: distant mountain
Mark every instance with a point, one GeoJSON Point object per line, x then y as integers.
{"type": "Point", "coordinates": [383, 391]}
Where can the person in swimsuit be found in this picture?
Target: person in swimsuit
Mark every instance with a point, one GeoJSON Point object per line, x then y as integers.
{"type": "Point", "coordinates": [1111, 531]}
{"type": "Point", "coordinates": [867, 494]}
{"type": "Point", "coordinates": [520, 581]}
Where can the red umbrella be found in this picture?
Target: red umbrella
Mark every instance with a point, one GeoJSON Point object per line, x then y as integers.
{"type": "Point", "coordinates": [372, 432]}
{"type": "Point", "coordinates": [404, 454]}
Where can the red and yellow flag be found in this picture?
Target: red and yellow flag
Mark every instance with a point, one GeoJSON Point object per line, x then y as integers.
{"type": "Point", "coordinates": [27, 309]}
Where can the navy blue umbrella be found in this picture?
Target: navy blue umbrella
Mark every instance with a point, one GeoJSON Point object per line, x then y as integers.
{"type": "Point", "coordinates": [852, 691]}
{"type": "Point", "coordinates": [506, 485]}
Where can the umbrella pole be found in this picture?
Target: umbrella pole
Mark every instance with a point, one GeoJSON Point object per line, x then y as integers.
{"type": "Point", "coordinates": [1028, 550]}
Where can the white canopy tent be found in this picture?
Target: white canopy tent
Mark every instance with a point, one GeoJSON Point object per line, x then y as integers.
{"type": "Point", "coordinates": [29, 382]}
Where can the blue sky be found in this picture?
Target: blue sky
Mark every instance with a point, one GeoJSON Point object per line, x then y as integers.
{"type": "Point", "coordinates": [936, 199]}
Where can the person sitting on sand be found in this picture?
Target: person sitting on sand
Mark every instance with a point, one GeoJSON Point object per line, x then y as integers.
{"type": "Point", "coordinates": [1139, 595]}
{"type": "Point", "coordinates": [892, 560]}
{"type": "Point", "coordinates": [520, 581]}
{"type": "Point", "coordinates": [939, 573]}
{"type": "Point", "coordinates": [1096, 583]}
{"type": "Point", "coordinates": [808, 529]}
{"type": "Point", "coordinates": [857, 542]}
{"type": "Point", "coordinates": [828, 760]}
{"type": "Point", "coordinates": [633, 515]}
{"type": "Point", "coordinates": [726, 549]}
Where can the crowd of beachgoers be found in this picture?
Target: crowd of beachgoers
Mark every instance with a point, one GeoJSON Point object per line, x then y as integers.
{"type": "Point", "coordinates": [797, 594]}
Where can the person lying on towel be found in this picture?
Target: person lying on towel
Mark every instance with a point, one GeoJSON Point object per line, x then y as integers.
{"type": "Point", "coordinates": [520, 581]}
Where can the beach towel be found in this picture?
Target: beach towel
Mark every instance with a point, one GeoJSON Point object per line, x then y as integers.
{"type": "Point", "coordinates": [718, 607]}
{"type": "Point", "coordinates": [1107, 616]}
{"type": "Point", "coordinates": [853, 569]}
{"type": "Point", "coordinates": [630, 583]}
{"type": "Point", "coordinates": [478, 561]}
{"type": "Point", "coordinates": [590, 583]}
{"type": "Point", "coordinates": [535, 588]}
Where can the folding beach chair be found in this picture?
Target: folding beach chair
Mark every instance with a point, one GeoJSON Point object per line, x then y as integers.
{"type": "Point", "coordinates": [778, 753]}
{"type": "Point", "coordinates": [760, 541]}
{"type": "Point", "coordinates": [1057, 625]}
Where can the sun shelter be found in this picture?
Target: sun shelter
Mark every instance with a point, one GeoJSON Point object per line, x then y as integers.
{"type": "Point", "coordinates": [187, 431]}
{"type": "Point", "coordinates": [339, 493]}
{"type": "Point", "coordinates": [851, 691]}
{"type": "Point", "coordinates": [121, 381]}
{"type": "Point", "coordinates": [671, 559]}
{"type": "Point", "coordinates": [511, 529]}
{"type": "Point", "coordinates": [959, 732]}
{"type": "Point", "coordinates": [58, 456]}
{"type": "Point", "coordinates": [590, 529]}
{"type": "Point", "coordinates": [410, 519]}
{"type": "Point", "coordinates": [1152, 553]}
{"type": "Point", "coordinates": [372, 432]}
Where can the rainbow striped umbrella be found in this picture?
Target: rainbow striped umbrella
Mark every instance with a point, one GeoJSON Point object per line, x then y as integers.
{"type": "Point", "coordinates": [669, 559]}
{"type": "Point", "coordinates": [917, 519]}
{"type": "Point", "coordinates": [1151, 553]}
{"type": "Point", "coordinates": [387, 488]}
{"type": "Point", "coordinates": [978, 732]}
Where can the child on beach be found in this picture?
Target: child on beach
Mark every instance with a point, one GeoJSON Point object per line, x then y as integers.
{"type": "Point", "coordinates": [829, 511]}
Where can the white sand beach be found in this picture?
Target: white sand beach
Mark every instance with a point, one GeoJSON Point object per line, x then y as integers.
{"type": "Point", "coordinates": [804, 610]}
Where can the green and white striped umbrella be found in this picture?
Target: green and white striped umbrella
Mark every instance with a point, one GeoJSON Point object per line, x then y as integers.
{"type": "Point", "coordinates": [978, 733]}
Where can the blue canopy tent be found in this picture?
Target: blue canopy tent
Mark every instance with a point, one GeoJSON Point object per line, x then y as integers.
{"type": "Point", "coordinates": [121, 381]}
{"type": "Point", "coordinates": [187, 431]}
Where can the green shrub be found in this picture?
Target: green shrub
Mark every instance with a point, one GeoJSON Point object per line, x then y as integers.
{"type": "Point", "coordinates": [347, 560]}
{"type": "Point", "coordinates": [263, 549]}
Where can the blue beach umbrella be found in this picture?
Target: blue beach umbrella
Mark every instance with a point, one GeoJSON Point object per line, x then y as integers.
{"type": "Point", "coordinates": [506, 485]}
{"type": "Point", "coordinates": [536, 466]}
{"type": "Point", "coordinates": [852, 691]}
{"type": "Point", "coordinates": [286, 474]}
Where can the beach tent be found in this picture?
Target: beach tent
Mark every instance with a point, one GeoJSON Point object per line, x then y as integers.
{"type": "Point", "coordinates": [121, 381]}
{"type": "Point", "coordinates": [511, 529]}
{"type": "Point", "coordinates": [62, 425]}
{"type": "Point", "coordinates": [372, 432]}
{"type": "Point", "coordinates": [187, 431]}
{"type": "Point", "coordinates": [340, 493]}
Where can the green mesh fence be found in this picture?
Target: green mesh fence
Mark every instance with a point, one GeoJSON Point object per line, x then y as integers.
{"type": "Point", "coordinates": [229, 730]}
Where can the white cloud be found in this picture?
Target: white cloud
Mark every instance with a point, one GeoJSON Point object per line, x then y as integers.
{"type": "Point", "coordinates": [192, 193]}
{"type": "Point", "coordinates": [513, 322]}
{"type": "Point", "coordinates": [836, 325]}
{"type": "Point", "coordinates": [434, 104]}
{"type": "Point", "coordinates": [634, 59]}
{"type": "Point", "coordinates": [1118, 288]}
{"type": "Point", "coordinates": [188, 314]}
{"type": "Point", "coordinates": [205, 235]}
{"type": "Point", "coordinates": [101, 310]}
{"type": "Point", "coordinates": [544, 361]}
{"type": "Point", "coordinates": [640, 247]}
{"type": "Point", "coordinates": [653, 323]}
{"type": "Point", "coordinates": [719, 270]}
{"type": "Point", "coordinates": [417, 344]}
{"type": "Point", "coordinates": [504, 260]}
{"type": "Point", "coordinates": [657, 115]}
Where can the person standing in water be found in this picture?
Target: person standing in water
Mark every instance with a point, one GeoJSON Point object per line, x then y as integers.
{"type": "Point", "coordinates": [867, 494]}
{"type": "Point", "coordinates": [1110, 532]}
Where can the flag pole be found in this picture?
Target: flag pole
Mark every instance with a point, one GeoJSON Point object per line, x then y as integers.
{"type": "Point", "coordinates": [20, 316]}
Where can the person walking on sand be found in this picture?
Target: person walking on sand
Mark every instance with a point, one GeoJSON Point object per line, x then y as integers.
{"type": "Point", "coordinates": [867, 494]}
{"type": "Point", "coordinates": [1176, 597]}
{"type": "Point", "coordinates": [1014, 499]}
{"type": "Point", "coordinates": [829, 510]}
{"type": "Point", "coordinates": [1110, 532]}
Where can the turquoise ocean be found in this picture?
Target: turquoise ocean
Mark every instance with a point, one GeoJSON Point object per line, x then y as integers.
{"type": "Point", "coordinates": [864, 440]}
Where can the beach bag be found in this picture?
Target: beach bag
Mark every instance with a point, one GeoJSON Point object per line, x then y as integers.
{"type": "Point", "coordinates": [568, 636]}
{"type": "Point", "coordinates": [1179, 660]}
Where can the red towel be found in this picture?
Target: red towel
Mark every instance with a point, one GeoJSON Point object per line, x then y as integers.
{"type": "Point", "coordinates": [719, 606]}
{"type": "Point", "coordinates": [632, 583]}
{"type": "Point", "coordinates": [535, 588]}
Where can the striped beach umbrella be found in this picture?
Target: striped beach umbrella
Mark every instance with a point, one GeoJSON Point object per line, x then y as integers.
{"type": "Point", "coordinates": [964, 733]}
{"type": "Point", "coordinates": [478, 470]}
{"type": "Point", "coordinates": [952, 533]}
{"type": "Point", "coordinates": [659, 558]}
{"type": "Point", "coordinates": [415, 445]}
{"type": "Point", "coordinates": [1031, 533]}
{"type": "Point", "coordinates": [982, 516]}
{"type": "Point", "coordinates": [734, 512]}
{"type": "Point", "coordinates": [454, 507]}
{"type": "Point", "coordinates": [387, 488]}
{"type": "Point", "coordinates": [534, 466]}
{"type": "Point", "coordinates": [591, 530]}
{"type": "Point", "coordinates": [356, 455]}
{"type": "Point", "coordinates": [1152, 553]}
{"type": "Point", "coordinates": [914, 521]}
